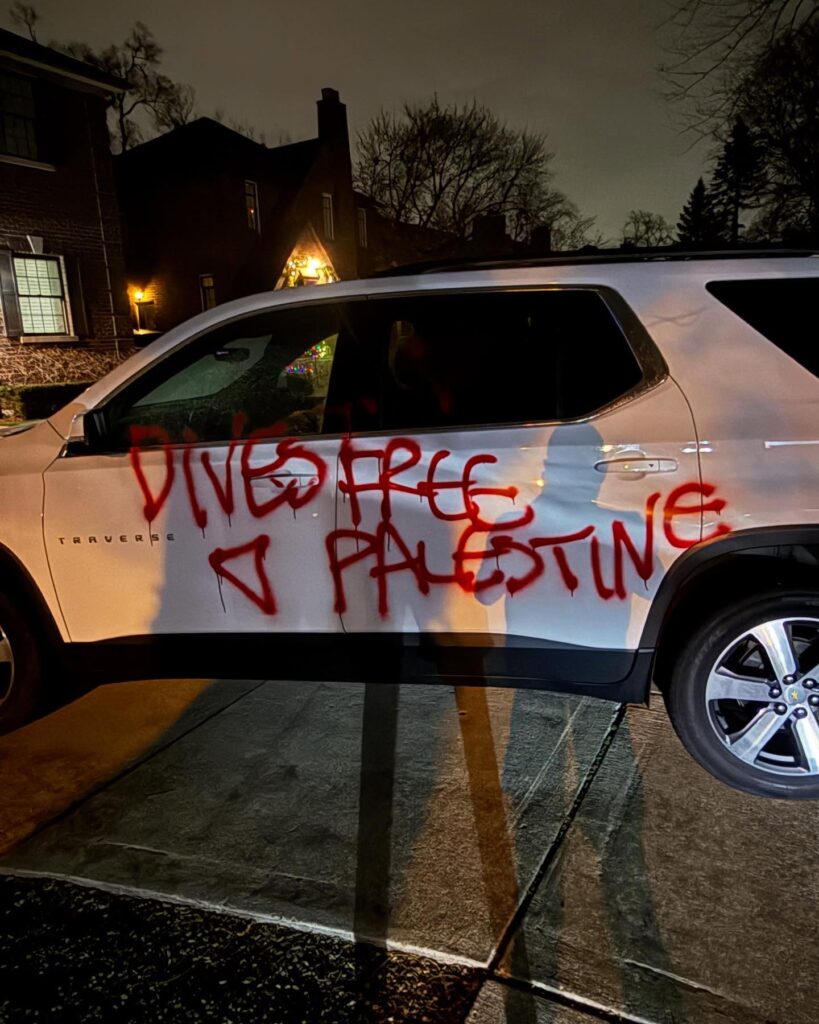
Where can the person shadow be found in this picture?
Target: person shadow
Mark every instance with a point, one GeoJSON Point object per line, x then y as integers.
{"type": "Point", "coordinates": [382, 842]}
{"type": "Point", "coordinates": [375, 847]}
{"type": "Point", "coordinates": [570, 496]}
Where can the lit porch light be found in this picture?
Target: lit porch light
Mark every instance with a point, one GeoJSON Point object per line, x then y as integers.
{"type": "Point", "coordinates": [303, 269]}
{"type": "Point", "coordinates": [312, 267]}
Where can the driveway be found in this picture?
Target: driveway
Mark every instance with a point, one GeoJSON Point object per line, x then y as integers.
{"type": "Point", "coordinates": [520, 856]}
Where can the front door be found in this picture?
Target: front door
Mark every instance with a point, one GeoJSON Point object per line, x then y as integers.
{"type": "Point", "coordinates": [203, 499]}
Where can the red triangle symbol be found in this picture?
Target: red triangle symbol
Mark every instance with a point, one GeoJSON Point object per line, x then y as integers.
{"type": "Point", "coordinates": [263, 597]}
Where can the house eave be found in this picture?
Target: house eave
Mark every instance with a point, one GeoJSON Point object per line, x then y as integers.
{"type": "Point", "coordinates": [106, 84]}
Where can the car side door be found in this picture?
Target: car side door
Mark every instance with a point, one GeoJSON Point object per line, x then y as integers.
{"type": "Point", "coordinates": [199, 502]}
{"type": "Point", "coordinates": [533, 474]}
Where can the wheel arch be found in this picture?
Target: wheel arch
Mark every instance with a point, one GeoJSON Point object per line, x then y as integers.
{"type": "Point", "coordinates": [729, 569]}
{"type": "Point", "coordinates": [17, 582]}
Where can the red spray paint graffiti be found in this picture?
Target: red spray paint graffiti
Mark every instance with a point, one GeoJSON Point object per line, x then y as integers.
{"type": "Point", "coordinates": [479, 543]}
{"type": "Point", "coordinates": [263, 597]}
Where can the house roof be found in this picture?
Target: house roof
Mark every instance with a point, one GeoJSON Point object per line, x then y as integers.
{"type": "Point", "coordinates": [27, 52]}
{"type": "Point", "coordinates": [293, 160]}
{"type": "Point", "coordinates": [202, 138]}
{"type": "Point", "coordinates": [207, 144]}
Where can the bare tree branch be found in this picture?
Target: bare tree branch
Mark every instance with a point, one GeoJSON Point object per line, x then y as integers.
{"type": "Point", "coordinates": [25, 16]}
{"type": "Point", "coordinates": [712, 43]}
{"type": "Point", "coordinates": [164, 103]}
{"type": "Point", "coordinates": [645, 229]}
{"type": "Point", "coordinates": [444, 166]}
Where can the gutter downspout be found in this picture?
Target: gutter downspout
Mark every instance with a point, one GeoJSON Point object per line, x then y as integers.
{"type": "Point", "coordinates": [103, 239]}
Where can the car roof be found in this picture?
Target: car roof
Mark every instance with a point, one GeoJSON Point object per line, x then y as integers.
{"type": "Point", "coordinates": [584, 257]}
{"type": "Point", "coordinates": [640, 281]}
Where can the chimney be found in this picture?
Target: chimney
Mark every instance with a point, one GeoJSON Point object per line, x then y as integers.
{"type": "Point", "coordinates": [541, 240]}
{"type": "Point", "coordinates": [332, 120]}
{"type": "Point", "coordinates": [489, 229]}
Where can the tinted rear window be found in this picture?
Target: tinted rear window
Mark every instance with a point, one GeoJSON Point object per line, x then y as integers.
{"type": "Point", "coordinates": [462, 360]}
{"type": "Point", "coordinates": [784, 310]}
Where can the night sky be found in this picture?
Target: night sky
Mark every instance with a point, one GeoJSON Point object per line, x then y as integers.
{"type": "Point", "coordinates": [581, 70]}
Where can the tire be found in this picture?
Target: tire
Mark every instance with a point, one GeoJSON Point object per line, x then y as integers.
{"type": "Point", "coordinates": [733, 707]}
{"type": "Point", "coordinates": [21, 667]}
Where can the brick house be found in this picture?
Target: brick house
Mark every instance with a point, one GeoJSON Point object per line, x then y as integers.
{"type": "Point", "coordinates": [394, 244]}
{"type": "Point", "coordinates": [62, 279]}
{"type": "Point", "coordinates": [211, 215]}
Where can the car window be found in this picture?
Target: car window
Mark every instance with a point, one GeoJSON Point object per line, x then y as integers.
{"type": "Point", "coordinates": [496, 358]}
{"type": "Point", "coordinates": [264, 375]}
{"type": "Point", "coordinates": [211, 373]}
{"type": "Point", "coordinates": [781, 309]}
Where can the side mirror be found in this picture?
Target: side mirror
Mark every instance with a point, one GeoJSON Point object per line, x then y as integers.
{"type": "Point", "coordinates": [76, 432]}
{"type": "Point", "coordinates": [86, 433]}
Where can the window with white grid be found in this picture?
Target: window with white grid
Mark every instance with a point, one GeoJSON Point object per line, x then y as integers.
{"type": "Point", "coordinates": [41, 294]}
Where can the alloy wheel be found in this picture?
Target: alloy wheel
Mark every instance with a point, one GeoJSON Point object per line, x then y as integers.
{"type": "Point", "coordinates": [762, 697]}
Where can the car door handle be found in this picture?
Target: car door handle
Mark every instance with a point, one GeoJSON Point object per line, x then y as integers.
{"type": "Point", "coordinates": [278, 481]}
{"type": "Point", "coordinates": [638, 465]}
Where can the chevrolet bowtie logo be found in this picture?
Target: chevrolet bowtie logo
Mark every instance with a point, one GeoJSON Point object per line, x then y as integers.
{"type": "Point", "coordinates": [794, 695]}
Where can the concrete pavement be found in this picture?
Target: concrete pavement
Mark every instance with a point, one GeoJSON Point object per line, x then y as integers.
{"type": "Point", "coordinates": [571, 853]}
{"type": "Point", "coordinates": [65, 757]}
{"type": "Point", "coordinates": [675, 898]}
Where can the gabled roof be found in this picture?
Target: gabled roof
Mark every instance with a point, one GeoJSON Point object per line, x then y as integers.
{"type": "Point", "coordinates": [206, 145]}
{"type": "Point", "coordinates": [293, 160]}
{"type": "Point", "coordinates": [204, 136]}
{"type": "Point", "coordinates": [27, 52]}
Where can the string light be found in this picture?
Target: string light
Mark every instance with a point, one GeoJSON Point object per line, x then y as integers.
{"type": "Point", "coordinates": [306, 365]}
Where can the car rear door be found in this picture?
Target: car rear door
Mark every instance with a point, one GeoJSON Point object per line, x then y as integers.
{"type": "Point", "coordinates": [533, 475]}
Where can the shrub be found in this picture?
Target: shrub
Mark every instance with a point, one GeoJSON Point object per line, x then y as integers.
{"type": "Point", "coordinates": [38, 401]}
{"type": "Point", "coordinates": [35, 382]}
{"type": "Point", "coordinates": [21, 366]}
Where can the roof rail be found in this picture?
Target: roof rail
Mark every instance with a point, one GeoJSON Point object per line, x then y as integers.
{"type": "Point", "coordinates": [585, 256]}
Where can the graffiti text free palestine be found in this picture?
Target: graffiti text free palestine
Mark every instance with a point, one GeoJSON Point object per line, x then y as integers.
{"type": "Point", "coordinates": [479, 543]}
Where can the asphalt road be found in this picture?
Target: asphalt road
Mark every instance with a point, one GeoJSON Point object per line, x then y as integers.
{"type": "Point", "coordinates": [236, 851]}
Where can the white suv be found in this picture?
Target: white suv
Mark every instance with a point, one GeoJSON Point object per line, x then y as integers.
{"type": "Point", "coordinates": [579, 476]}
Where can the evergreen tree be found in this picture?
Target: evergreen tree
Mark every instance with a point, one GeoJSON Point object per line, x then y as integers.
{"type": "Point", "coordinates": [701, 222]}
{"type": "Point", "coordinates": [738, 177]}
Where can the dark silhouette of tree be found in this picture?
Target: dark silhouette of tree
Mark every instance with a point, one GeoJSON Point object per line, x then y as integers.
{"type": "Point", "coordinates": [570, 230]}
{"type": "Point", "coordinates": [444, 166]}
{"type": "Point", "coordinates": [166, 103]}
{"type": "Point", "coordinates": [25, 16]}
{"type": "Point", "coordinates": [754, 63]}
{"type": "Point", "coordinates": [176, 106]}
{"type": "Point", "coordinates": [701, 222]}
{"type": "Point", "coordinates": [647, 230]}
{"type": "Point", "coordinates": [738, 179]}
{"type": "Point", "coordinates": [779, 99]}
{"type": "Point", "coordinates": [713, 42]}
